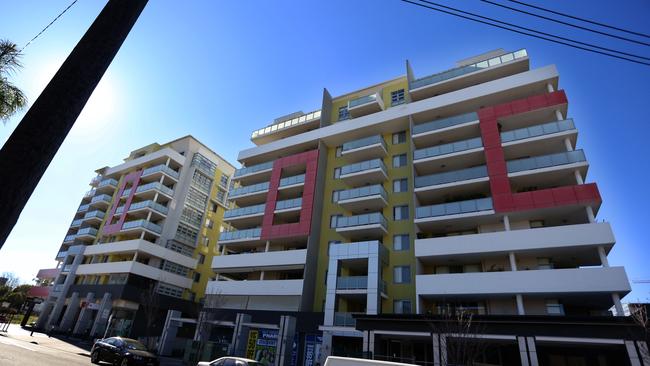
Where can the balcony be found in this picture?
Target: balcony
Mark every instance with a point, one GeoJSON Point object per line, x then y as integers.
{"type": "Point", "coordinates": [434, 185]}
{"type": "Point", "coordinates": [550, 282]}
{"type": "Point", "coordinates": [95, 216]}
{"type": "Point", "coordinates": [256, 288]}
{"type": "Point", "coordinates": [455, 154]}
{"type": "Point", "coordinates": [143, 208]}
{"type": "Point", "coordinates": [366, 104]}
{"type": "Point", "coordinates": [365, 148]}
{"type": "Point", "coordinates": [565, 160]}
{"type": "Point", "coordinates": [347, 284]}
{"type": "Point", "coordinates": [89, 194]}
{"type": "Point", "coordinates": [240, 236]}
{"type": "Point", "coordinates": [465, 211]}
{"type": "Point", "coordinates": [102, 201]}
{"type": "Point", "coordinates": [155, 172]}
{"type": "Point", "coordinates": [461, 77]}
{"type": "Point", "coordinates": [69, 239]}
{"type": "Point", "coordinates": [538, 139]}
{"type": "Point", "coordinates": [83, 208]}
{"type": "Point", "coordinates": [287, 128]}
{"type": "Point", "coordinates": [292, 185]}
{"type": "Point", "coordinates": [95, 180]}
{"type": "Point", "coordinates": [106, 185]}
{"type": "Point", "coordinates": [345, 319]}
{"type": "Point", "coordinates": [86, 234]}
{"type": "Point", "coordinates": [251, 262]}
{"type": "Point", "coordinates": [141, 246]}
{"type": "Point", "coordinates": [580, 240]}
{"type": "Point", "coordinates": [62, 254]}
{"type": "Point", "coordinates": [249, 195]}
{"type": "Point", "coordinates": [369, 171]}
{"type": "Point", "coordinates": [357, 200]}
{"type": "Point", "coordinates": [371, 225]}
{"type": "Point", "coordinates": [148, 190]}
{"type": "Point", "coordinates": [254, 173]}
{"type": "Point", "coordinates": [58, 288]}
{"type": "Point", "coordinates": [288, 205]}
{"type": "Point", "coordinates": [137, 268]}
{"type": "Point", "coordinates": [428, 133]}
{"type": "Point", "coordinates": [76, 223]}
{"type": "Point", "coordinates": [141, 225]}
{"type": "Point", "coordinates": [245, 216]}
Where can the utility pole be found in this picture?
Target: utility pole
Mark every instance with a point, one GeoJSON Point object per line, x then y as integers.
{"type": "Point", "coordinates": [33, 144]}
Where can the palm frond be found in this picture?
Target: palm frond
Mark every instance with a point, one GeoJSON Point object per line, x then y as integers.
{"type": "Point", "coordinates": [12, 100]}
{"type": "Point", "coordinates": [9, 57]}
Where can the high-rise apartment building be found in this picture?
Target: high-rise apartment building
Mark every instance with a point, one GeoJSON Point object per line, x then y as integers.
{"type": "Point", "coordinates": [144, 234]}
{"type": "Point", "coordinates": [465, 191]}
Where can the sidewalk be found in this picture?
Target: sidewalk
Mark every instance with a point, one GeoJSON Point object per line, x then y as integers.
{"type": "Point", "coordinates": [61, 344]}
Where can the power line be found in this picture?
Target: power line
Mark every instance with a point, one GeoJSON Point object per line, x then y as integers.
{"type": "Point", "coordinates": [581, 19]}
{"type": "Point", "coordinates": [521, 32]}
{"type": "Point", "coordinates": [567, 23]}
{"type": "Point", "coordinates": [47, 26]}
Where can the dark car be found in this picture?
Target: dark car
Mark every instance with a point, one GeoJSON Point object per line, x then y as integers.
{"type": "Point", "coordinates": [123, 352]}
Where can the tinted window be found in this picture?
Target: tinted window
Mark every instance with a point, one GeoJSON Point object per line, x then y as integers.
{"type": "Point", "coordinates": [132, 344]}
{"type": "Point", "coordinates": [217, 363]}
{"type": "Point", "coordinates": [229, 362]}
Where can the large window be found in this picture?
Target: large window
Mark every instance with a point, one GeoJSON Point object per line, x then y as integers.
{"type": "Point", "coordinates": [400, 213]}
{"type": "Point", "coordinates": [397, 97]}
{"type": "Point", "coordinates": [399, 137]}
{"type": "Point", "coordinates": [401, 242]}
{"type": "Point", "coordinates": [399, 161]}
{"type": "Point", "coordinates": [402, 274]}
{"type": "Point", "coordinates": [400, 185]}
{"type": "Point", "coordinates": [343, 113]}
{"type": "Point", "coordinates": [402, 307]}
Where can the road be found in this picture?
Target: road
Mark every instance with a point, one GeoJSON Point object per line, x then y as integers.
{"type": "Point", "coordinates": [15, 352]}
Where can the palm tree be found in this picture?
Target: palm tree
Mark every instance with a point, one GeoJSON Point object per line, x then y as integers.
{"type": "Point", "coordinates": [12, 99]}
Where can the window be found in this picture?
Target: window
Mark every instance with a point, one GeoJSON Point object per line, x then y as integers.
{"type": "Point", "coordinates": [201, 258]}
{"type": "Point", "coordinates": [213, 206]}
{"type": "Point", "coordinates": [221, 196]}
{"type": "Point", "coordinates": [201, 181]}
{"type": "Point", "coordinates": [399, 161]}
{"type": "Point", "coordinates": [343, 113]}
{"type": "Point", "coordinates": [186, 234]}
{"type": "Point", "coordinates": [209, 223]}
{"type": "Point", "coordinates": [401, 242]}
{"type": "Point", "coordinates": [197, 277]}
{"type": "Point", "coordinates": [399, 138]}
{"type": "Point", "coordinates": [192, 296]}
{"type": "Point", "coordinates": [400, 185]}
{"type": "Point", "coordinates": [402, 274]}
{"type": "Point", "coordinates": [544, 263]}
{"type": "Point", "coordinates": [397, 97]}
{"type": "Point", "coordinates": [223, 181]}
{"type": "Point", "coordinates": [400, 212]}
{"type": "Point", "coordinates": [553, 307]}
{"type": "Point", "coordinates": [196, 198]}
{"type": "Point", "coordinates": [402, 307]}
{"type": "Point", "coordinates": [335, 196]}
{"type": "Point", "coordinates": [339, 151]}
{"type": "Point", "coordinates": [337, 173]}
{"type": "Point", "coordinates": [206, 241]}
{"type": "Point", "coordinates": [191, 216]}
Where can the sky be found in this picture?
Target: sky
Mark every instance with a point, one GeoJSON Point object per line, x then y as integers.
{"type": "Point", "coordinates": [220, 69]}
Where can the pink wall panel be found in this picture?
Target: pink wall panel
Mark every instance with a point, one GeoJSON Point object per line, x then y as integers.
{"type": "Point", "coordinates": [133, 178]}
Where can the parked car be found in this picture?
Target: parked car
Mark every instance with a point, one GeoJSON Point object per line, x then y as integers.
{"type": "Point", "coordinates": [230, 361]}
{"type": "Point", "coordinates": [123, 352]}
{"type": "Point", "coordinates": [348, 361]}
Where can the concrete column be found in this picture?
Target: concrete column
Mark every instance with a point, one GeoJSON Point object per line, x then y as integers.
{"type": "Point", "coordinates": [268, 246]}
{"type": "Point", "coordinates": [372, 296]}
{"type": "Point", "coordinates": [644, 356]}
{"type": "Point", "coordinates": [105, 307]}
{"type": "Point", "coordinates": [617, 304]}
{"type": "Point", "coordinates": [67, 323]}
{"type": "Point", "coordinates": [603, 257]}
{"type": "Point", "coordinates": [330, 292]}
{"type": "Point", "coordinates": [568, 144]}
{"type": "Point", "coordinates": [520, 304]}
{"type": "Point", "coordinates": [443, 350]}
{"type": "Point", "coordinates": [549, 88]}
{"type": "Point", "coordinates": [168, 335]}
{"type": "Point", "coordinates": [240, 335]}
{"type": "Point", "coordinates": [513, 261]}
{"type": "Point", "coordinates": [632, 354]}
{"type": "Point", "coordinates": [284, 347]}
{"type": "Point", "coordinates": [436, 349]}
{"type": "Point", "coordinates": [532, 351]}
{"type": "Point", "coordinates": [590, 214]}
{"type": "Point", "coordinates": [83, 323]}
{"type": "Point", "coordinates": [45, 314]}
{"type": "Point", "coordinates": [371, 344]}
{"type": "Point", "coordinates": [559, 115]}
{"type": "Point", "coordinates": [326, 347]}
{"type": "Point", "coordinates": [60, 302]}
{"type": "Point", "coordinates": [578, 176]}
{"type": "Point", "coordinates": [523, 351]}
{"type": "Point", "coordinates": [262, 276]}
{"type": "Point", "coordinates": [506, 223]}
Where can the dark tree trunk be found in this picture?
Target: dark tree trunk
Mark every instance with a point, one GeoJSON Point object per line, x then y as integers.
{"type": "Point", "coordinates": [32, 146]}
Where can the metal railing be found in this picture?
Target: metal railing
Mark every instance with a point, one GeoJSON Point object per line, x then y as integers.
{"type": "Point", "coordinates": [240, 234]}
{"type": "Point", "coordinates": [143, 224]}
{"type": "Point", "coordinates": [538, 130]}
{"type": "Point", "coordinates": [244, 211]}
{"type": "Point", "coordinates": [448, 148]}
{"type": "Point", "coordinates": [286, 124]}
{"type": "Point", "coordinates": [439, 124]}
{"type": "Point", "coordinates": [359, 220]}
{"type": "Point", "coordinates": [545, 161]}
{"type": "Point", "coordinates": [364, 165]}
{"type": "Point", "coordinates": [459, 71]}
{"type": "Point", "coordinates": [373, 190]}
{"type": "Point", "coordinates": [241, 191]}
{"type": "Point", "coordinates": [450, 177]}
{"type": "Point", "coordinates": [366, 141]}
{"type": "Point", "coordinates": [253, 169]}
{"type": "Point", "coordinates": [287, 204]}
{"type": "Point", "coordinates": [161, 168]}
{"type": "Point", "coordinates": [454, 208]}
{"type": "Point", "coordinates": [289, 181]}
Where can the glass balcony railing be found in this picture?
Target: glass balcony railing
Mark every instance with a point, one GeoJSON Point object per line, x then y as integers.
{"type": "Point", "coordinates": [344, 319]}
{"type": "Point", "coordinates": [546, 161]}
{"type": "Point", "coordinates": [287, 204]}
{"type": "Point", "coordinates": [101, 198]}
{"type": "Point", "coordinates": [366, 141]}
{"type": "Point", "coordinates": [91, 231]}
{"type": "Point", "coordinates": [289, 181]}
{"type": "Point", "coordinates": [286, 124]}
{"type": "Point", "coordinates": [145, 204]}
{"type": "Point", "coordinates": [360, 220]}
{"type": "Point", "coordinates": [61, 254]}
{"type": "Point", "coordinates": [107, 182]}
{"type": "Point", "coordinates": [450, 177]}
{"type": "Point", "coordinates": [83, 208]}
{"type": "Point", "coordinates": [454, 208]}
{"type": "Point", "coordinates": [161, 168]}
{"type": "Point", "coordinates": [95, 180]}
{"type": "Point", "coordinates": [69, 238]}
{"type": "Point", "coordinates": [149, 186]}
{"type": "Point", "coordinates": [240, 234]}
{"type": "Point", "coordinates": [539, 130]}
{"type": "Point", "coordinates": [245, 211]}
{"type": "Point", "coordinates": [376, 189]}
{"type": "Point", "coordinates": [66, 268]}
{"type": "Point", "coordinates": [364, 165]}
{"type": "Point", "coordinates": [254, 169]}
{"type": "Point", "coordinates": [89, 193]}
{"type": "Point", "coordinates": [76, 222]}
{"type": "Point", "coordinates": [57, 288]}
{"type": "Point", "coordinates": [464, 70]}
{"type": "Point", "coordinates": [142, 224]}
{"type": "Point", "coordinates": [352, 283]}
{"type": "Point", "coordinates": [448, 148]}
{"type": "Point", "coordinates": [363, 100]}
{"type": "Point", "coordinates": [94, 214]}
{"type": "Point", "coordinates": [241, 191]}
{"type": "Point", "coordinates": [439, 124]}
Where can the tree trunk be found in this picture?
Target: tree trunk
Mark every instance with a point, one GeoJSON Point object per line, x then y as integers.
{"type": "Point", "coordinates": [32, 146]}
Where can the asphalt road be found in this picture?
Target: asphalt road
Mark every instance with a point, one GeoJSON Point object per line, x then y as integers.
{"type": "Point", "coordinates": [14, 352]}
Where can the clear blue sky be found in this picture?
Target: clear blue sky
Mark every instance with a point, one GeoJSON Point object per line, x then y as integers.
{"type": "Point", "coordinates": [220, 69]}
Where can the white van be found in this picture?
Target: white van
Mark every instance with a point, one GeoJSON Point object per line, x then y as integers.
{"type": "Point", "coordinates": [347, 361]}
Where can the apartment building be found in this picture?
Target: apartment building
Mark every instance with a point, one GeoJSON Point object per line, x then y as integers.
{"type": "Point", "coordinates": [414, 200]}
{"type": "Point", "coordinates": [144, 234]}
